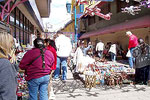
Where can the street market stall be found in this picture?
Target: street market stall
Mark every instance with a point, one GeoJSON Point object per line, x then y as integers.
{"type": "Point", "coordinates": [107, 73]}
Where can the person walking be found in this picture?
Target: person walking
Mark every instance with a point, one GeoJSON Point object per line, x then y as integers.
{"type": "Point", "coordinates": [133, 42]}
{"type": "Point", "coordinates": [142, 62]}
{"type": "Point", "coordinates": [100, 48]}
{"type": "Point", "coordinates": [37, 64]}
{"type": "Point", "coordinates": [113, 52]}
{"type": "Point", "coordinates": [8, 73]}
{"type": "Point", "coordinates": [78, 57]}
{"type": "Point", "coordinates": [89, 51]}
{"type": "Point", "coordinates": [64, 47]}
{"type": "Point", "coordinates": [52, 47]}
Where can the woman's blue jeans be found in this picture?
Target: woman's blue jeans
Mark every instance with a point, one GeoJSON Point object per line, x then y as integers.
{"type": "Point", "coordinates": [38, 85]}
{"type": "Point", "coordinates": [131, 59]}
{"type": "Point", "coordinates": [100, 54]}
{"type": "Point", "coordinates": [61, 62]}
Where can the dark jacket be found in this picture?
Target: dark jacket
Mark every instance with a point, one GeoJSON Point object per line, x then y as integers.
{"type": "Point", "coordinates": [8, 80]}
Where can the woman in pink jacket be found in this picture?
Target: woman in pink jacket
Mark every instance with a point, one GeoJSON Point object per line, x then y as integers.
{"type": "Point", "coordinates": [37, 64]}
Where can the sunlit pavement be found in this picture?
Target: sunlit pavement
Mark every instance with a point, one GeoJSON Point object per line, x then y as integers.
{"type": "Point", "coordinates": [75, 90]}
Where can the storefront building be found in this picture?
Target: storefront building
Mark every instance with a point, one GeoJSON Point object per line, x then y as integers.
{"type": "Point", "coordinates": [25, 20]}
{"type": "Point", "coordinates": [114, 30]}
{"type": "Point", "coordinates": [68, 29]}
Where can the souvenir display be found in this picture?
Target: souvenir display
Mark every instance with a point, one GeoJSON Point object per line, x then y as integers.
{"type": "Point", "coordinates": [110, 74]}
{"type": "Point", "coordinates": [145, 3]}
{"type": "Point", "coordinates": [133, 10]}
{"type": "Point", "coordinates": [22, 89]}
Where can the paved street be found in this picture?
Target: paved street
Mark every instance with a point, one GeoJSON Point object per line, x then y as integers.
{"type": "Point", "coordinates": [74, 90]}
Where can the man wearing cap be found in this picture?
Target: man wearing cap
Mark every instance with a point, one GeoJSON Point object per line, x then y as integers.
{"type": "Point", "coordinates": [133, 42]}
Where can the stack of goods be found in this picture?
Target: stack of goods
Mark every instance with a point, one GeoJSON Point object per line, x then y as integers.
{"type": "Point", "coordinates": [90, 77]}
{"type": "Point", "coordinates": [108, 73]}
{"type": "Point", "coordinates": [22, 90]}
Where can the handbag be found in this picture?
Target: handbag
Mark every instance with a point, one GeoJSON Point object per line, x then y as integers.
{"type": "Point", "coordinates": [128, 54]}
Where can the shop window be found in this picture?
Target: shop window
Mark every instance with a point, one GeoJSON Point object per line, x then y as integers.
{"type": "Point", "coordinates": [21, 35]}
{"type": "Point", "coordinates": [21, 25]}
{"type": "Point", "coordinates": [24, 38]}
{"type": "Point", "coordinates": [21, 19]}
{"type": "Point", "coordinates": [12, 30]}
{"type": "Point", "coordinates": [17, 22]}
{"type": "Point", "coordinates": [24, 22]}
{"type": "Point", "coordinates": [11, 19]}
{"type": "Point", "coordinates": [31, 28]}
{"type": "Point", "coordinates": [17, 33]}
{"type": "Point", "coordinates": [29, 35]}
{"type": "Point", "coordinates": [17, 13]}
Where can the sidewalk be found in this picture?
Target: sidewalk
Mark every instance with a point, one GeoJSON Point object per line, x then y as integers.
{"type": "Point", "coordinates": [75, 90]}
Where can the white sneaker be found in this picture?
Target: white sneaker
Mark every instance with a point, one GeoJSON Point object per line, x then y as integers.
{"type": "Point", "coordinates": [57, 79]}
{"type": "Point", "coordinates": [51, 97]}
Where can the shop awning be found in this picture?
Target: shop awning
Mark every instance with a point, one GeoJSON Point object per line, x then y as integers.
{"type": "Point", "coordinates": [33, 10]}
{"type": "Point", "coordinates": [128, 25]}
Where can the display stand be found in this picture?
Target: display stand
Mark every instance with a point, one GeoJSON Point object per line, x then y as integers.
{"type": "Point", "coordinates": [107, 74]}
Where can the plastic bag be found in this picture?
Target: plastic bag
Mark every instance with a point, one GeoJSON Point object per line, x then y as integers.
{"type": "Point", "coordinates": [128, 54]}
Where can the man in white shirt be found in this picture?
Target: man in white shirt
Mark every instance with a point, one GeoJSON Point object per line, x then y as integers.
{"type": "Point", "coordinates": [113, 52]}
{"type": "Point", "coordinates": [64, 47]}
{"type": "Point", "coordinates": [100, 48]}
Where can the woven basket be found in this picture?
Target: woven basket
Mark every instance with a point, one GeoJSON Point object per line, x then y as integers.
{"type": "Point", "coordinates": [90, 81]}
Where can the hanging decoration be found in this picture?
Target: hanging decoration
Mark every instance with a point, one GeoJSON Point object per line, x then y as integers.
{"type": "Point", "coordinates": [97, 11]}
{"type": "Point", "coordinates": [79, 2]}
{"type": "Point", "coordinates": [145, 3]}
{"type": "Point", "coordinates": [137, 0]}
{"type": "Point", "coordinates": [7, 9]}
{"type": "Point", "coordinates": [89, 2]}
{"type": "Point", "coordinates": [133, 10]}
